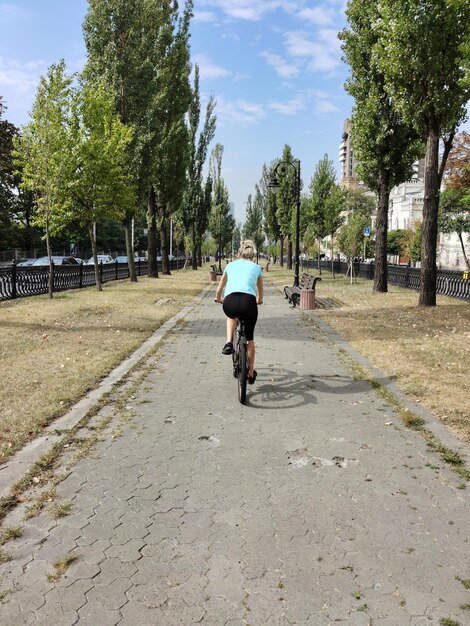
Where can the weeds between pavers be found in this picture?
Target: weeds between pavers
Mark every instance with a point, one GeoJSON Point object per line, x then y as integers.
{"type": "Point", "coordinates": [62, 565]}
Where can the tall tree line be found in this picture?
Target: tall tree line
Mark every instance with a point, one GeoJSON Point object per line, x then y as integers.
{"type": "Point", "coordinates": [413, 57]}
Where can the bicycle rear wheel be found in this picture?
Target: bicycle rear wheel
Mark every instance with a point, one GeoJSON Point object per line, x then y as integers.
{"type": "Point", "coordinates": [242, 371]}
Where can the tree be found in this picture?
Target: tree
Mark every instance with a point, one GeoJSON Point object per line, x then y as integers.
{"type": "Point", "coordinates": [194, 197]}
{"type": "Point", "coordinates": [384, 145]}
{"type": "Point", "coordinates": [141, 50]}
{"type": "Point", "coordinates": [171, 148]}
{"type": "Point", "coordinates": [96, 182]}
{"type": "Point", "coordinates": [271, 224]}
{"type": "Point", "coordinates": [286, 199]}
{"type": "Point", "coordinates": [321, 187]}
{"type": "Point", "coordinates": [426, 68]}
{"type": "Point", "coordinates": [221, 223]}
{"type": "Point", "coordinates": [8, 132]}
{"type": "Point", "coordinates": [334, 215]}
{"type": "Point", "coordinates": [351, 237]}
{"type": "Point", "coordinates": [253, 227]}
{"type": "Point", "coordinates": [454, 216]}
{"type": "Point", "coordinates": [41, 151]}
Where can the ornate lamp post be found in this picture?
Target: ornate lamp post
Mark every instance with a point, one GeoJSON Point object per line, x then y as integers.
{"type": "Point", "coordinates": [274, 185]}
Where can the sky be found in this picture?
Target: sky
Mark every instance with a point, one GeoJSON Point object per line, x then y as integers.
{"type": "Point", "coordinates": [273, 66]}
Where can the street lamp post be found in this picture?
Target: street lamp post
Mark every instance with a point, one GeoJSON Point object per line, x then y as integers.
{"type": "Point", "coordinates": [274, 186]}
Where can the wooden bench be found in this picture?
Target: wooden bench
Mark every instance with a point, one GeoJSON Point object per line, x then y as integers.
{"type": "Point", "coordinates": [306, 282]}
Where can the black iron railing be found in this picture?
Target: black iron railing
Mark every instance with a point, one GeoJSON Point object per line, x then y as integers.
{"type": "Point", "coordinates": [17, 282]}
{"type": "Point", "coordinates": [449, 283]}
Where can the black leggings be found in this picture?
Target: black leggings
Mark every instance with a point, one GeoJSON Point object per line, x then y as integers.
{"type": "Point", "coordinates": [242, 306]}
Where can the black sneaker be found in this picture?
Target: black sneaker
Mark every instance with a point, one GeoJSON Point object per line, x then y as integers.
{"type": "Point", "coordinates": [228, 348]}
{"type": "Point", "coordinates": [251, 379]}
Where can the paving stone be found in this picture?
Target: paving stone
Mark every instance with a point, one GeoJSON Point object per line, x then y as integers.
{"type": "Point", "coordinates": [275, 512]}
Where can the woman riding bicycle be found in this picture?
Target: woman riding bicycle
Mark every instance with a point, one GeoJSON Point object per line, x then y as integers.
{"type": "Point", "coordinates": [242, 288]}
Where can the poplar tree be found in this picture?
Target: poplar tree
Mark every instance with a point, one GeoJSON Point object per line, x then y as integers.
{"type": "Point", "coordinates": [286, 199]}
{"type": "Point", "coordinates": [194, 203]}
{"type": "Point", "coordinates": [40, 151]}
{"type": "Point", "coordinates": [321, 188]}
{"type": "Point", "coordinates": [384, 145]}
{"type": "Point", "coordinates": [423, 54]}
{"type": "Point", "coordinates": [253, 227]}
{"type": "Point", "coordinates": [221, 223]}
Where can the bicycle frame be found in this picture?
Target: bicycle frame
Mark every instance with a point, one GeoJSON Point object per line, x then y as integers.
{"type": "Point", "coordinates": [240, 360]}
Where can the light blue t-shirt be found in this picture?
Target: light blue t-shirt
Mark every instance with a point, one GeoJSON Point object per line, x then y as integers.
{"type": "Point", "coordinates": [242, 276]}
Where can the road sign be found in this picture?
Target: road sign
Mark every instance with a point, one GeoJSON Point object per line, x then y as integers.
{"type": "Point", "coordinates": [366, 231]}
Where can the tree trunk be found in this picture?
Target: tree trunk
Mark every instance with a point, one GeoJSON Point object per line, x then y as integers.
{"type": "Point", "coordinates": [164, 244]}
{"type": "Point", "coordinates": [91, 232]}
{"type": "Point", "coordinates": [281, 243]}
{"type": "Point", "coordinates": [289, 254]}
{"type": "Point", "coordinates": [152, 234]}
{"type": "Point", "coordinates": [127, 223]}
{"type": "Point", "coordinates": [318, 257]}
{"type": "Point", "coordinates": [194, 246]}
{"type": "Point", "coordinates": [50, 280]}
{"type": "Point", "coordinates": [462, 244]}
{"type": "Point", "coordinates": [428, 274]}
{"type": "Point", "coordinates": [381, 228]}
{"type": "Point", "coordinates": [332, 261]}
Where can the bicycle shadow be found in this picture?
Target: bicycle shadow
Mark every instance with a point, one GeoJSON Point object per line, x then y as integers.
{"type": "Point", "coordinates": [287, 389]}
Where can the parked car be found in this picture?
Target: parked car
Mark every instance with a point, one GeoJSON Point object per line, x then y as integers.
{"type": "Point", "coordinates": [102, 258]}
{"type": "Point", "coordinates": [25, 262]}
{"type": "Point", "coordinates": [121, 259]}
{"type": "Point", "coordinates": [57, 260]}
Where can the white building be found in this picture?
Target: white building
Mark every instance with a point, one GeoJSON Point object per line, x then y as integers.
{"type": "Point", "coordinates": [406, 203]}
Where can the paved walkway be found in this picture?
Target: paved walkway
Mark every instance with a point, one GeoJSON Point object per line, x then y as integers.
{"type": "Point", "coordinates": [311, 505]}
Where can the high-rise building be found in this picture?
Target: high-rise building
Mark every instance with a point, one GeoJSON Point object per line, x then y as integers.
{"type": "Point", "coordinates": [346, 158]}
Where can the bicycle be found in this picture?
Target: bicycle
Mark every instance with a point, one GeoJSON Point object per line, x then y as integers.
{"type": "Point", "coordinates": [240, 360]}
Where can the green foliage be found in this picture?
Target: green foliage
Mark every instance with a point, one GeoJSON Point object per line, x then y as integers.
{"type": "Point", "coordinates": [221, 223]}
{"type": "Point", "coordinates": [271, 224]}
{"type": "Point", "coordinates": [394, 241]}
{"type": "Point", "coordinates": [8, 181]}
{"type": "Point", "coordinates": [384, 145]}
{"type": "Point", "coordinates": [286, 197]}
{"type": "Point", "coordinates": [41, 149]}
{"type": "Point", "coordinates": [350, 238]}
{"type": "Point", "coordinates": [195, 210]}
{"type": "Point", "coordinates": [421, 52]}
{"type": "Point", "coordinates": [253, 227]}
{"type": "Point", "coordinates": [410, 243]}
{"type": "Point", "coordinates": [321, 208]}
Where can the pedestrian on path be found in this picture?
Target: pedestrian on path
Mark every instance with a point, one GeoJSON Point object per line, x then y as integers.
{"type": "Point", "coordinates": [240, 290]}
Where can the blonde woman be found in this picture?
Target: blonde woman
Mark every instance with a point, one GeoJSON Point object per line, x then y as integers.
{"type": "Point", "coordinates": [240, 290]}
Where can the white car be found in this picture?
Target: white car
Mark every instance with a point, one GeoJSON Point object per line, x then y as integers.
{"type": "Point", "coordinates": [102, 258]}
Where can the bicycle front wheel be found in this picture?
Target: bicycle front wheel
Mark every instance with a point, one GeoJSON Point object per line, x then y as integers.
{"type": "Point", "coordinates": [242, 371]}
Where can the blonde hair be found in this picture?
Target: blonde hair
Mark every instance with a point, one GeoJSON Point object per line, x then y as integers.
{"type": "Point", "coordinates": [247, 250]}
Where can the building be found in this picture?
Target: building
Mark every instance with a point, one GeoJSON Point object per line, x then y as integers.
{"type": "Point", "coordinates": [405, 204]}
{"type": "Point", "coordinates": [348, 177]}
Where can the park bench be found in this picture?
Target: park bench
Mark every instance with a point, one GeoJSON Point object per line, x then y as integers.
{"type": "Point", "coordinates": [306, 283]}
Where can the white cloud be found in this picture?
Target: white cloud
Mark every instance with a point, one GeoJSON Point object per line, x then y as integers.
{"type": "Point", "coordinates": [323, 55]}
{"type": "Point", "coordinates": [239, 112]}
{"type": "Point", "coordinates": [205, 16]}
{"type": "Point", "coordinates": [231, 35]}
{"type": "Point", "coordinates": [322, 16]}
{"type": "Point", "coordinates": [282, 67]}
{"type": "Point", "coordinates": [249, 10]}
{"type": "Point", "coordinates": [289, 108]}
{"type": "Point", "coordinates": [208, 69]}
{"type": "Point", "coordinates": [22, 77]}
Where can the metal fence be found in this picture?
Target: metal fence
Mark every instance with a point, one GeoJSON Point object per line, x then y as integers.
{"type": "Point", "coordinates": [18, 282]}
{"type": "Point", "coordinates": [449, 283]}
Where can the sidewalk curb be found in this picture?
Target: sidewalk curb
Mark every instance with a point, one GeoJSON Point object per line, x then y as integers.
{"type": "Point", "coordinates": [16, 467]}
